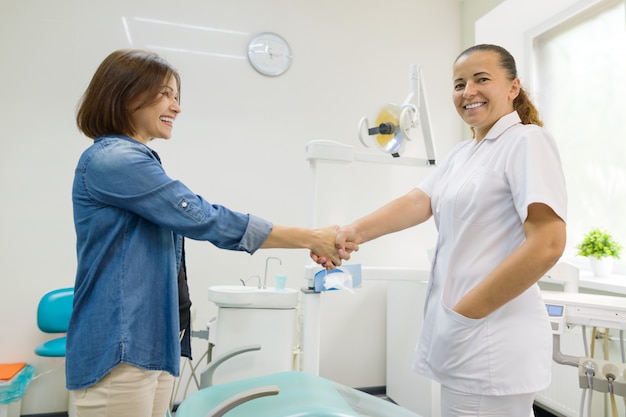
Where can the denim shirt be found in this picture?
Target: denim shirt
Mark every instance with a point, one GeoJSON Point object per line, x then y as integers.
{"type": "Point", "coordinates": [129, 217]}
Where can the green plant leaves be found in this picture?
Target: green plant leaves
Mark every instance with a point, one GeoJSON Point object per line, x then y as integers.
{"type": "Point", "coordinates": [600, 244]}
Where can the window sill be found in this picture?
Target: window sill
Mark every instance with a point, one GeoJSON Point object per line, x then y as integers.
{"type": "Point", "coordinates": [615, 283]}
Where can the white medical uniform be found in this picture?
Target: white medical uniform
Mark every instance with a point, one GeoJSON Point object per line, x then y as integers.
{"type": "Point", "coordinates": [480, 196]}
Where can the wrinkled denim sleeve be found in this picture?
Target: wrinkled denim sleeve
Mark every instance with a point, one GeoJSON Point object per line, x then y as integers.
{"type": "Point", "coordinates": [256, 233]}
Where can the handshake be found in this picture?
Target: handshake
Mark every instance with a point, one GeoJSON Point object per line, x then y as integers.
{"type": "Point", "coordinates": [333, 245]}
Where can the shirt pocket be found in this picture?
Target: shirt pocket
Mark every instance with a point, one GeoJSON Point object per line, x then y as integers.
{"type": "Point", "coordinates": [459, 344]}
{"type": "Point", "coordinates": [482, 196]}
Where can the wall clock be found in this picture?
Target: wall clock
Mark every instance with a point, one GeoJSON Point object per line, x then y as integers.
{"type": "Point", "coordinates": [269, 54]}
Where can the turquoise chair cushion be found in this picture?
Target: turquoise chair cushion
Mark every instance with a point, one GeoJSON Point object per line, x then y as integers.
{"type": "Point", "coordinates": [301, 395]}
{"type": "Point", "coordinates": [52, 348]}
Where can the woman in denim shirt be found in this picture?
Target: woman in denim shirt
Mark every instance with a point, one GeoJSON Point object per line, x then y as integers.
{"type": "Point", "coordinates": [123, 343]}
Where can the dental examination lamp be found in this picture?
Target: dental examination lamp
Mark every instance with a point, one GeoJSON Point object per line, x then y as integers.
{"type": "Point", "coordinates": [393, 127]}
{"type": "Point", "coordinates": [395, 124]}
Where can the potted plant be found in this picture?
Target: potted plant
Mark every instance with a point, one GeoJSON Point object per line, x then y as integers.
{"type": "Point", "coordinates": [600, 248]}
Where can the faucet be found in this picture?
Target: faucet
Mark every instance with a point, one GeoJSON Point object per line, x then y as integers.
{"type": "Point", "coordinates": [244, 281]}
{"type": "Point", "coordinates": [266, 262]}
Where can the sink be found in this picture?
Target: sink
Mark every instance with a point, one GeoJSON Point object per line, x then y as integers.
{"type": "Point", "coordinates": [239, 296]}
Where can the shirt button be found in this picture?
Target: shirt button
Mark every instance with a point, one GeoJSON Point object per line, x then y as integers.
{"type": "Point", "coordinates": [184, 204]}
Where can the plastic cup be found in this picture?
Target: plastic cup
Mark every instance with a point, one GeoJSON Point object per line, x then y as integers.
{"type": "Point", "coordinates": [279, 282]}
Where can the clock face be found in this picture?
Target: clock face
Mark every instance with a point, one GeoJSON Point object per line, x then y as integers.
{"type": "Point", "coordinates": [269, 54]}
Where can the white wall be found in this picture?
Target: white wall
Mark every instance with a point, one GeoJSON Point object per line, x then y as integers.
{"type": "Point", "coordinates": [516, 34]}
{"type": "Point", "coordinates": [471, 11]}
{"type": "Point", "coordinates": [239, 141]}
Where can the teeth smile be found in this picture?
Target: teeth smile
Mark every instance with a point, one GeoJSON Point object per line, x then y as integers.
{"type": "Point", "coordinates": [473, 106]}
{"type": "Point", "coordinates": [167, 119]}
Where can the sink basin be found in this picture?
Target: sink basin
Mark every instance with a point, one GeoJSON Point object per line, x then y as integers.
{"type": "Point", "coordinates": [239, 296]}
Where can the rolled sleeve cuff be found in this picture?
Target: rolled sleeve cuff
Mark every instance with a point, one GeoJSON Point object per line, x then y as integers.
{"type": "Point", "coordinates": [256, 233]}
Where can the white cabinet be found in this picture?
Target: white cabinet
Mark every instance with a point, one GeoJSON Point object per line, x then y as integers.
{"type": "Point", "coordinates": [272, 329]}
{"type": "Point", "coordinates": [405, 312]}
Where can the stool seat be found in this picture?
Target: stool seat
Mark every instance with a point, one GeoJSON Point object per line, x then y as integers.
{"type": "Point", "coordinates": [54, 348]}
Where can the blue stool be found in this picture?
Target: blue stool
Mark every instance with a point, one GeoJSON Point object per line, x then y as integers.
{"type": "Point", "coordinates": [53, 316]}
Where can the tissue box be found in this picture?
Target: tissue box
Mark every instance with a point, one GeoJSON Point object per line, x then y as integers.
{"type": "Point", "coordinates": [354, 270]}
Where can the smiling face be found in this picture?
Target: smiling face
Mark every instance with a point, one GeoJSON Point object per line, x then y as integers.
{"type": "Point", "coordinates": [156, 119]}
{"type": "Point", "coordinates": [483, 90]}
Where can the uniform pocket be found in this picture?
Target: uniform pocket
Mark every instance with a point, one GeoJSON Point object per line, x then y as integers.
{"type": "Point", "coordinates": [459, 344]}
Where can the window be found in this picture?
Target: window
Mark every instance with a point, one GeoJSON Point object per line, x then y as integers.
{"type": "Point", "coordinates": [582, 98]}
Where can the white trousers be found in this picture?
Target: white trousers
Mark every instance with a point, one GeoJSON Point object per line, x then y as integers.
{"type": "Point", "coordinates": [126, 391]}
{"type": "Point", "coordinates": [460, 404]}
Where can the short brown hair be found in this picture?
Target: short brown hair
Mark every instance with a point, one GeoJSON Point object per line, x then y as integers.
{"type": "Point", "coordinates": [124, 77]}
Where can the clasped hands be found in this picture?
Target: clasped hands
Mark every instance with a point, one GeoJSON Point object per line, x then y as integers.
{"type": "Point", "coordinates": [336, 245]}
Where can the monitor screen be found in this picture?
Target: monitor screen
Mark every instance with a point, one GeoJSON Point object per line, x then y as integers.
{"type": "Point", "coordinates": [555, 310]}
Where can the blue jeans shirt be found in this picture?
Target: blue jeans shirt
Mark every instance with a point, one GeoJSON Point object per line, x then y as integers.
{"type": "Point", "coordinates": [129, 218]}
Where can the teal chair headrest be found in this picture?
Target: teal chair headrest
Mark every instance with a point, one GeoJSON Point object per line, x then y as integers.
{"type": "Point", "coordinates": [54, 310]}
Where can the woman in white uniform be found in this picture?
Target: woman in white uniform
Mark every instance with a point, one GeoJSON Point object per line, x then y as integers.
{"type": "Point", "coordinates": [499, 204]}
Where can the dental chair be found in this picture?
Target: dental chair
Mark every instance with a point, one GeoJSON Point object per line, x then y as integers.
{"type": "Point", "coordinates": [286, 394]}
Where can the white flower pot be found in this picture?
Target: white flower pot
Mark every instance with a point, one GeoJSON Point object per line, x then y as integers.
{"type": "Point", "coordinates": [602, 267]}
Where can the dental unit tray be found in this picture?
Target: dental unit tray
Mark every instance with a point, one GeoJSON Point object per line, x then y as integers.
{"type": "Point", "coordinates": [594, 310]}
{"type": "Point", "coordinates": [586, 309]}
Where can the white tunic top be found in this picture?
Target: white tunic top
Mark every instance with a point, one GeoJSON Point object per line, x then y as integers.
{"type": "Point", "coordinates": [480, 196]}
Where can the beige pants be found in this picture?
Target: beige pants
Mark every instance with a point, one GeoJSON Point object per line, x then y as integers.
{"type": "Point", "coordinates": [124, 392]}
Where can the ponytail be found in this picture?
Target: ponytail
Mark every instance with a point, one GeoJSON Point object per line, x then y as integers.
{"type": "Point", "coordinates": [526, 109]}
